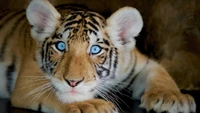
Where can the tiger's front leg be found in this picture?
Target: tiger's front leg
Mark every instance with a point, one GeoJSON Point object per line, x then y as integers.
{"type": "Point", "coordinates": [162, 94]}
{"type": "Point", "coordinates": [53, 105]}
{"type": "Point", "coordinates": [90, 106]}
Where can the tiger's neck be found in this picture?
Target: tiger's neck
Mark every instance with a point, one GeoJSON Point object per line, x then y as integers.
{"type": "Point", "coordinates": [130, 67]}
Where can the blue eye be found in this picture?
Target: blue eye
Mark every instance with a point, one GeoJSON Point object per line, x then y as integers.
{"type": "Point", "coordinates": [95, 49]}
{"type": "Point", "coordinates": [60, 46]}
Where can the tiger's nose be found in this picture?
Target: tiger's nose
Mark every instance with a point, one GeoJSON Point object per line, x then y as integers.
{"type": "Point", "coordinates": [73, 83]}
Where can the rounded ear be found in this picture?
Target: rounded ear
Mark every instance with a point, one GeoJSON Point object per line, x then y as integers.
{"type": "Point", "coordinates": [123, 26]}
{"type": "Point", "coordinates": [43, 17]}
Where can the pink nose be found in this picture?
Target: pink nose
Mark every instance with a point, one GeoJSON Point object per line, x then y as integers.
{"type": "Point", "coordinates": [73, 83]}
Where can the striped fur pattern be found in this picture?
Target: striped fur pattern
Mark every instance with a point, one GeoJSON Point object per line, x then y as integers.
{"type": "Point", "coordinates": [9, 59]}
{"type": "Point", "coordinates": [70, 54]}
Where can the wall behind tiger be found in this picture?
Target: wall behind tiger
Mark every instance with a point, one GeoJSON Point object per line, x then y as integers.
{"type": "Point", "coordinates": [171, 32]}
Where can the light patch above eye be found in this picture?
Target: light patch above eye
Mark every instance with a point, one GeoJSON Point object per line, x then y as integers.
{"type": "Point", "coordinates": [61, 46]}
{"type": "Point", "coordinates": [95, 49]}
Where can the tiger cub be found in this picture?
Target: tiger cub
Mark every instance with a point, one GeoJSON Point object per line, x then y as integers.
{"type": "Point", "coordinates": [61, 59]}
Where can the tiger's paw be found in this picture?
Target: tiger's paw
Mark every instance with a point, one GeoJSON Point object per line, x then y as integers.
{"type": "Point", "coordinates": [91, 106]}
{"type": "Point", "coordinates": [162, 101]}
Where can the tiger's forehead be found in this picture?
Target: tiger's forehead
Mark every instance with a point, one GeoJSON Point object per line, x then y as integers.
{"type": "Point", "coordinates": [80, 25]}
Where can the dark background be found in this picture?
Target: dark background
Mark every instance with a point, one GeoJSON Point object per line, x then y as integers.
{"type": "Point", "coordinates": [171, 36]}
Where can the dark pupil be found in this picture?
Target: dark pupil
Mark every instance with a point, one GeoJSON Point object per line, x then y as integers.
{"type": "Point", "coordinates": [95, 49]}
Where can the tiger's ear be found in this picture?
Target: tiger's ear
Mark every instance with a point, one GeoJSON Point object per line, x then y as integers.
{"type": "Point", "coordinates": [123, 26]}
{"type": "Point", "coordinates": [43, 17]}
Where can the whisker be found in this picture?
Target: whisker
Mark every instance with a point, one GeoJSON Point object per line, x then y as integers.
{"type": "Point", "coordinates": [102, 94]}
{"type": "Point", "coordinates": [46, 99]}
{"type": "Point", "coordinates": [113, 88]}
{"type": "Point", "coordinates": [120, 100]}
{"type": "Point", "coordinates": [35, 90]}
{"type": "Point", "coordinates": [111, 93]}
{"type": "Point", "coordinates": [33, 81]}
{"type": "Point", "coordinates": [109, 98]}
{"type": "Point", "coordinates": [116, 89]}
{"type": "Point", "coordinates": [27, 86]}
{"type": "Point", "coordinates": [33, 78]}
{"type": "Point", "coordinates": [41, 92]}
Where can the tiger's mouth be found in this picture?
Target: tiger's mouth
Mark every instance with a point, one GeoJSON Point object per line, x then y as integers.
{"type": "Point", "coordinates": [74, 96]}
{"type": "Point", "coordinates": [72, 92]}
{"type": "Point", "coordinates": [68, 94]}
{"type": "Point", "coordinates": [75, 92]}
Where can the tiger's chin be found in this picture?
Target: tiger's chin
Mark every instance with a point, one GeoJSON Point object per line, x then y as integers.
{"type": "Point", "coordinates": [69, 97]}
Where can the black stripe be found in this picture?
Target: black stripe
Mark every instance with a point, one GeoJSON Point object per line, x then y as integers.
{"type": "Point", "coordinates": [7, 37]}
{"type": "Point", "coordinates": [4, 14]}
{"type": "Point", "coordinates": [40, 108]}
{"type": "Point", "coordinates": [50, 63]}
{"type": "Point", "coordinates": [72, 17]}
{"type": "Point", "coordinates": [75, 30]}
{"type": "Point", "coordinates": [115, 63]}
{"type": "Point", "coordinates": [23, 30]}
{"type": "Point", "coordinates": [106, 42]}
{"type": "Point", "coordinates": [73, 22]}
{"type": "Point", "coordinates": [56, 36]}
{"type": "Point", "coordinates": [68, 28]}
{"type": "Point", "coordinates": [43, 54]}
{"type": "Point", "coordinates": [81, 13]}
{"type": "Point", "coordinates": [138, 74]}
{"type": "Point", "coordinates": [110, 62]}
{"type": "Point", "coordinates": [93, 26]}
{"type": "Point", "coordinates": [9, 74]}
{"type": "Point", "coordinates": [95, 15]}
{"type": "Point", "coordinates": [99, 72]}
{"type": "Point", "coordinates": [46, 62]}
{"type": "Point", "coordinates": [47, 54]}
{"type": "Point", "coordinates": [92, 31]}
{"type": "Point", "coordinates": [94, 20]}
{"type": "Point", "coordinates": [24, 27]}
{"type": "Point", "coordinates": [10, 18]}
{"type": "Point", "coordinates": [102, 69]}
{"type": "Point", "coordinates": [132, 71]}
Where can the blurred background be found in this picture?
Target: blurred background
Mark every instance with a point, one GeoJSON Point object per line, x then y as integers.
{"type": "Point", "coordinates": [171, 33]}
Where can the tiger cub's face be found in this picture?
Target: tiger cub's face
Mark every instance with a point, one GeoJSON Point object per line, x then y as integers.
{"type": "Point", "coordinates": [81, 52]}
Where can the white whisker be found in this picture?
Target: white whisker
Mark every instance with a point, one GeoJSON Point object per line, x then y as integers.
{"type": "Point", "coordinates": [36, 90]}
{"type": "Point", "coordinates": [111, 91]}
{"type": "Point", "coordinates": [37, 83]}
{"type": "Point", "coordinates": [107, 97]}
{"type": "Point", "coordinates": [46, 99]}
{"type": "Point", "coordinates": [41, 92]}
